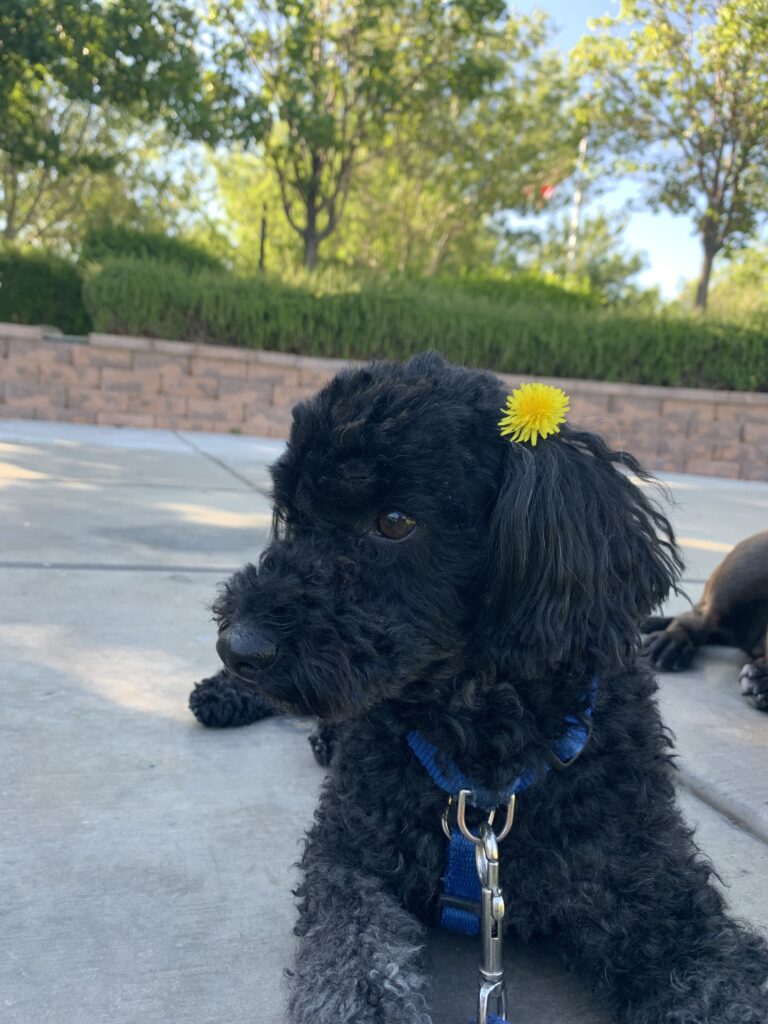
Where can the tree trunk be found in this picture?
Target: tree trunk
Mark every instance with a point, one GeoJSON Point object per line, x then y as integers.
{"type": "Point", "coordinates": [439, 252]}
{"type": "Point", "coordinates": [262, 236]}
{"type": "Point", "coordinates": [311, 246]}
{"type": "Point", "coordinates": [702, 289]}
{"type": "Point", "coordinates": [10, 229]}
{"type": "Point", "coordinates": [311, 233]}
{"type": "Point", "coordinates": [11, 198]}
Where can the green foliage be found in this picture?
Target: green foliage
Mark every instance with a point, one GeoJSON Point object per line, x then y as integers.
{"type": "Point", "coordinates": [102, 243]}
{"type": "Point", "coordinates": [530, 287]}
{"type": "Point", "coordinates": [77, 83]}
{"type": "Point", "coordinates": [421, 198]}
{"type": "Point", "coordinates": [394, 319]}
{"type": "Point", "coordinates": [37, 197]}
{"type": "Point", "coordinates": [397, 219]}
{"type": "Point", "coordinates": [149, 182]}
{"type": "Point", "coordinates": [449, 86]}
{"type": "Point", "coordinates": [248, 190]}
{"type": "Point", "coordinates": [138, 55]}
{"type": "Point", "coordinates": [680, 90]}
{"type": "Point", "coordinates": [602, 258]}
{"type": "Point", "coordinates": [740, 287]}
{"type": "Point", "coordinates": [39, 288]}
{"type": "Point", "coordinates": [420, 121]}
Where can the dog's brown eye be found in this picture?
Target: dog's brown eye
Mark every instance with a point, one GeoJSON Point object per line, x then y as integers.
{"type": "Point", "coordinates": [395, 525]}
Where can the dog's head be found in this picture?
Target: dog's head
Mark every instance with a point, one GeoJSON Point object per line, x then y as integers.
{"type": "Point", "coordinates": [411, 542]}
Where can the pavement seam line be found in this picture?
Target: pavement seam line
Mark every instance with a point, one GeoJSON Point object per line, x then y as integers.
{"type": "Point", "coordinates": [219, 462]}
{"type": "Point", "coordinates": [745, 820]}
{"type": "Point", "coordinates": [117, 567]}
{"type": "Point", "coordinates": [144, 484]}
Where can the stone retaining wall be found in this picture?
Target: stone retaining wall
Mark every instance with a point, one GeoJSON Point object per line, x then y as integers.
{"type": "Point", "coordinates": [147, 382]}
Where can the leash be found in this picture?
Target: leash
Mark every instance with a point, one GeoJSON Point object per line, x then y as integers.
{"type": "Point", "coordinates": [472, 901]}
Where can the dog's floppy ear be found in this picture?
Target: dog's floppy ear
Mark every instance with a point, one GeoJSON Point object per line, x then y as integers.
{"type": "Point", "coordinates": [578, 555]}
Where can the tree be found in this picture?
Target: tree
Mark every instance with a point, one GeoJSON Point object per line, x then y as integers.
{"type": "Point", "coordinates": [248, 192]}
{"type": "Point", "coordinates": [602, 258]}
{"type": "Point", "coordinates": [39, 199]}
{"type": "Point", "coordinates": [681, 86]}
{"type": "Point", "coordinates": [422, 199]}
{"type": "Point", "coordinates": [146, 57]}
{"type": "Point", "coordinates": [71, 74]}
{"type": "Point", "coordinates": [738, 287]}
{"type": "Point", "coordinates": [108, 168]}
{"type": "Point", "coordinates": [335, 77]}
{"type": "Point", "coordinates": [455, 165]}
{"type": "Point", "coordinates": [397, 219]}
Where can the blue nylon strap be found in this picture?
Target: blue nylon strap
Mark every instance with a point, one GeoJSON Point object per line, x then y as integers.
{"type": "Point", "coordinates": [449, 776]}
{"type": "Point", "coordinates": [571, 743]}
{"type": "Point", "coordinates": [575, 738]}
{"type": "Point", "coordinates": [461, 879]}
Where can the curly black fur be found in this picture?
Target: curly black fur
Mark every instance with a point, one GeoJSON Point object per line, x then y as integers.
{"type": "Point", "coordinates": [221, 702]}
{"type": "Point", "coordinates": [528, 573]}
{"type": "Point", "coordinates": [323, 743]}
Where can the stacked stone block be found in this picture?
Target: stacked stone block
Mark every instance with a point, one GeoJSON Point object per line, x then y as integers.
{"type": "Point", "coordinates": [149, 382]}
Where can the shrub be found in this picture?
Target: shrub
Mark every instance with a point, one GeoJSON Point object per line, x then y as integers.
{"type": "Point", "coordinates": [528, 286]}
{"type": "Point", "coordinates": [38, 288]}
{"type": "Point", "coordinates": [106, 242]}
{"type": "Point", "coordinates": [397, 318]}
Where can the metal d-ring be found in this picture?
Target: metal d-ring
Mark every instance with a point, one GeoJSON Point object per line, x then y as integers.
{"type": "Point", "coordinates": [509, 819]}
{"type": "Point", "coordinates": [461, 818]}
{"type": "Point", "coordinates": [444, 819]}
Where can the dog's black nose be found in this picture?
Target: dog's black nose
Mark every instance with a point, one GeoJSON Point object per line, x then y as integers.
{"type": "Point", "coordinates": [245, 651]}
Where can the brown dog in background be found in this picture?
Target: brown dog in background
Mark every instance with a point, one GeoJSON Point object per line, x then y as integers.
{"type": "Point", "coordinates": [733, 612]}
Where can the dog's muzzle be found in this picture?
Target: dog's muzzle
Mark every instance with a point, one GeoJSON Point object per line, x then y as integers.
{"type": "Point", "coordinates": [245, 651]}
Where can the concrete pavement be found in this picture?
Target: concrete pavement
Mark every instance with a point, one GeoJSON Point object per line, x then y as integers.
{"type": "Point", "coordinates": [147, 862]}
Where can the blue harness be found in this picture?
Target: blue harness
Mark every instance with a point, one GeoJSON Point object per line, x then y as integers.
{"type": "Point", "coordinates": [460, 898]}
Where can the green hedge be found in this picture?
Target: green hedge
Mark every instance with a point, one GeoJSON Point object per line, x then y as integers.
{"type": "Point", "coordinates": [396, 319]}
{"type": "Point", "coordinates": [526, 286]}
{"type": "Point", "coordinates": [37, 288]}
{"type": "Point", "coordinates": [110, 241]}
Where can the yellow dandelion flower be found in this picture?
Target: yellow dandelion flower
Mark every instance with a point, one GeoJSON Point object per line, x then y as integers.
{"type": "Point", "coordinates": [534, 411]}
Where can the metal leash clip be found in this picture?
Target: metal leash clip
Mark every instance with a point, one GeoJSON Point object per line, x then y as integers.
{"type": "Point", "coordinates": [492, 995]}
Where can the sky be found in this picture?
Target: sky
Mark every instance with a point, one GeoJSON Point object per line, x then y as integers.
{"type": "Point", "coordinates": [672, 251]}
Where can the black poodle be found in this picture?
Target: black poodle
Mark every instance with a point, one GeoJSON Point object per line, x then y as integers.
{"type": "Point", "coordinates": [429, 578]}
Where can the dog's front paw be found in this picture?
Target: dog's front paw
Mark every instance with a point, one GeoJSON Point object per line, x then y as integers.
{"type": "Point", "coordinates": [669, 650]}
{"type": "Point", "coordinates": [223, 701]}
{"type": "Point", "coordinates": [754, 684]}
